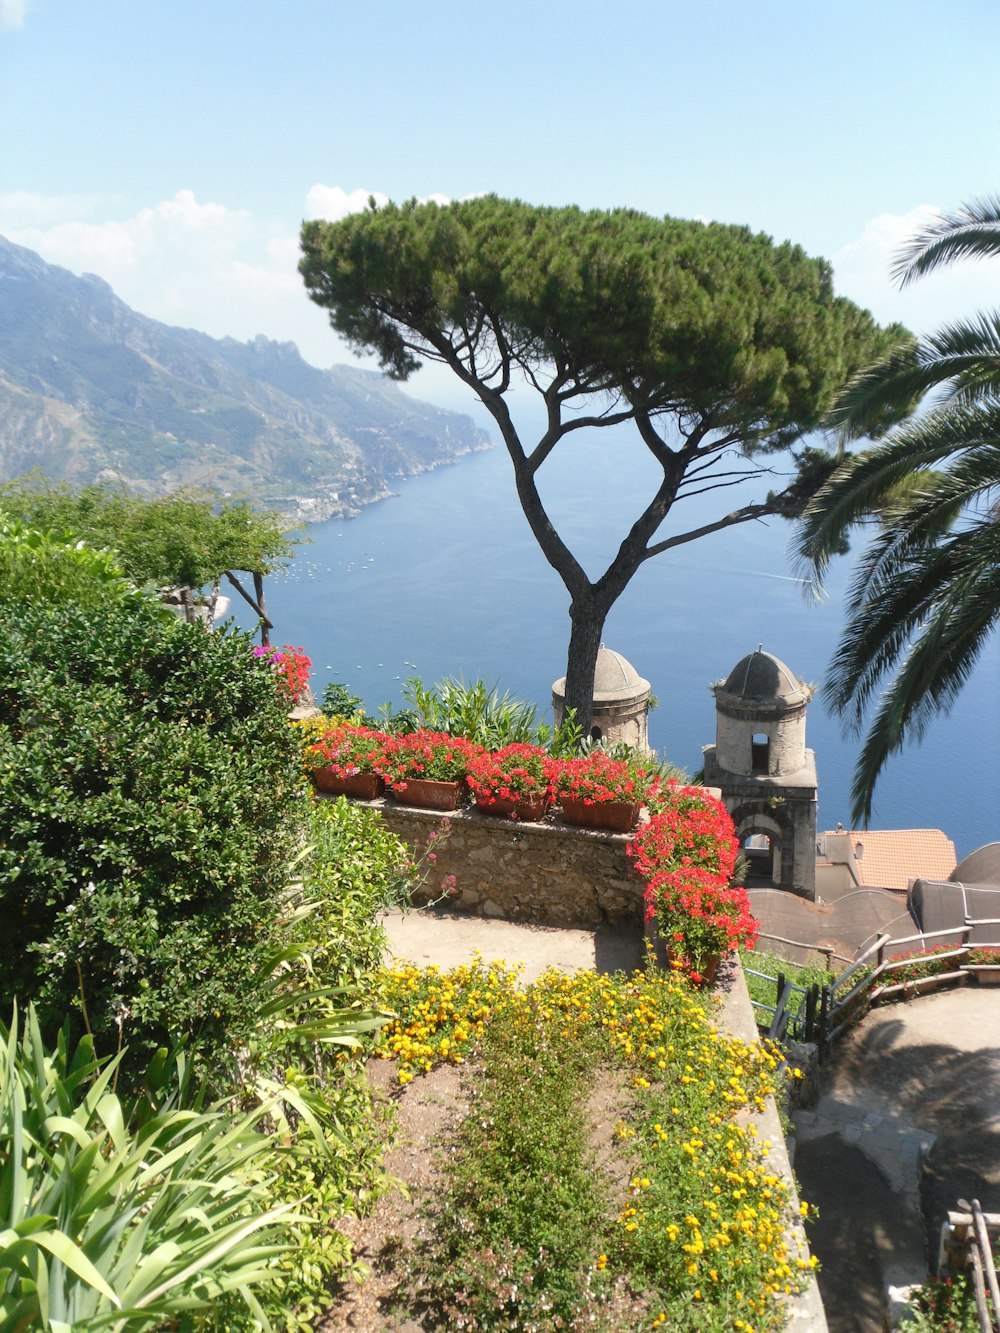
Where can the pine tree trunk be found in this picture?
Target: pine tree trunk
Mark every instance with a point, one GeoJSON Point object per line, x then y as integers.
{"type": "Point", "coordinates": [587, 617]}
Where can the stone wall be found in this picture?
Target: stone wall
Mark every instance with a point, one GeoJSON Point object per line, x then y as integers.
{"type": "Point", "coordinates": [549, 873]}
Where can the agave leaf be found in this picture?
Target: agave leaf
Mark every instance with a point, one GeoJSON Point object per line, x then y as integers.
{"type": "Point", "coordinates": [220, 1250]}
{"type": "Point", "coordinates": [72, 1257]}
{"type": "Point", "coordinates": [109, 1111]}
{"type": "Point", "coordinates": [62, 1124]}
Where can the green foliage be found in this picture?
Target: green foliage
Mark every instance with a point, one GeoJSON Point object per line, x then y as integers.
{"type": "Point", "coordinates": [340, 701]}
{"type": "Point", "coordinates": [944, 1305]}
{"type": "Point", "coordinates": [763, 991]}
{"type": "Point", "coordinates": [479, 713]}
{"type": "Point", "coordinates": [924, 598]}
{"type": "Point", "coordinates": [524, 1196]}
{"type": "Point", "coordinates": [35, 565]}
{"type": "Point", "coordinates": [308, 1041]}
{"type": "Point", "coordinates": [149, 806]}
{"type": "Point", "coordinates": [181, 539]}
{"type": "Point", "coordinates": [123, 1215]}
{"type": "Point", "coordinates": [663, 311]}
{"type": "Point", "coordinates": [716, 344]}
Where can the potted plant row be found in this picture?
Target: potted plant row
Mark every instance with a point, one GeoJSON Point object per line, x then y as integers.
{"type": "Point", "coordinates": [433, 770]}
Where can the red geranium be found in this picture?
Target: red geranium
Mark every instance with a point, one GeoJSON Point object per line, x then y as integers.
{"type": "Point", "coordinates": [686, 853]}
{"type": "Point", "coordinates": [429, 755]}
{"type": "Point", "coordinates": [691, 828]}
{"type": "Point", "coordinates": [699, 915]}
{"type": "Point", "coordinates": [292, 668]}
{"type": "Point", "coordinates": [348, 750]}
{"type": "Point", "coordinates": [515, 773]}
{"type": "Point", "coordinates": [597, 779]}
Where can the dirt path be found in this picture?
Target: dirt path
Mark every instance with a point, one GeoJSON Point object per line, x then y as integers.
{"type": "Point", "coordinates": [426, 1111]}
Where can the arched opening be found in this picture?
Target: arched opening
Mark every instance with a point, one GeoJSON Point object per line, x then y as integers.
{"type": "Point", "coordinates": [759, 850]}
{"type": "Point", "coordinates": [595, 733]}
{"type": "Point", "coordinates": [760, 748]}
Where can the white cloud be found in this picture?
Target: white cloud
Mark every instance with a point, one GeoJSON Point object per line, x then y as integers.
{"type": "Point", "coordinates": [331, 203]}
{"type": "Point", "coordinates": [199, 264]}
{"type": "Point", "coordinates": [862, 272]}
{"type": "Point", "coordinates": [12, 12]}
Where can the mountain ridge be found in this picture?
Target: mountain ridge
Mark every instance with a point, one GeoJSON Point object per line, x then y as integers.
{"type": "Point", "coordinates": [91, 391]}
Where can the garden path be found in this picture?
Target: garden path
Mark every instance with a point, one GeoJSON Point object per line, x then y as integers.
{"type": "Point", "coordinates": [913, 1090]}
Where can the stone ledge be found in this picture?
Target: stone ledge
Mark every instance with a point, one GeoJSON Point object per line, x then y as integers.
{"type": "Point", "coordinates": [547, 873]}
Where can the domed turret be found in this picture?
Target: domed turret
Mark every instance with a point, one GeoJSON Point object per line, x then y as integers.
{"type": "Point", "coordinates": [761, 718]}
{"type": "Point", "coordinates": [621, 701]}
{"type": "Point", "coordinates": [766, 774]}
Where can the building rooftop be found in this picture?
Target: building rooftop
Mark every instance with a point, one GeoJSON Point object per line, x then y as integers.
{"type": "Point", "coordinates": [615, 679]}
{"type": "Point", "coordinates": [980, 867]}
{"type": "Point", "coordinates": [891, 858]}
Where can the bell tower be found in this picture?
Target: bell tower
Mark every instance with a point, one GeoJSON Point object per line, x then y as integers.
{"type": "Point", "coordinates": [766, 775]}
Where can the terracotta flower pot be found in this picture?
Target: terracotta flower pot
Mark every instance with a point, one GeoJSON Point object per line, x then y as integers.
{"type": "Point", "coordinates": [611, 816]}
{"type": "Point", "coordinates": [360, 786]}
{"type": "Point", "coordinates": [428, 795]}
{"type": "Point", "coordinates": [529, 808]}
{"type": "Point", "coordinates": [666, 959]}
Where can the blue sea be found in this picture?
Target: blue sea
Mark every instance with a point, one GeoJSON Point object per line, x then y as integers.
{"type": "Point", "coordinates": [445, 579]}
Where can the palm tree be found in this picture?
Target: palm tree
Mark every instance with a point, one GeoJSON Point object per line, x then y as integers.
{"type": "Point", "coordinates": [926, 592]}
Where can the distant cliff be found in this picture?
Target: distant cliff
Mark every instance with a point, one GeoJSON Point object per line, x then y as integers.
{"type": "Point", "coordinates": [90, 390]}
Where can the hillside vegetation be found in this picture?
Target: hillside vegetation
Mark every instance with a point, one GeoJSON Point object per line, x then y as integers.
{"type": "Point", "coordinates": [91, 390]}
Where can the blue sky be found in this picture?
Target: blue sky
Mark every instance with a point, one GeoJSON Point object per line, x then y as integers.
{"type": "Point", "coordinates": [174, 148]}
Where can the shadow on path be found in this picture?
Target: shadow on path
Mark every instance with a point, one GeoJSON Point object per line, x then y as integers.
{"type": "Point", "coordinates": [855, 1234]}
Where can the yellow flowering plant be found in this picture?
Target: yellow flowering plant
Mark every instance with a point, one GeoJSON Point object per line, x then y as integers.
{"type": "Point", "coordinates": [703, 1226]}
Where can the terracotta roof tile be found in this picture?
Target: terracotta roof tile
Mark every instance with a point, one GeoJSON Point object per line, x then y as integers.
{"type": "Point", "coordinates": [892, 857]}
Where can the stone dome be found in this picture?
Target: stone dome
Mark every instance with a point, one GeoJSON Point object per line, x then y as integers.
{"type": "Point", "coordinates": [615, 679]}
{"type": "Point", "coordinates": [762, 679]}
{"type": "Point", "coordinates": [980, 867]}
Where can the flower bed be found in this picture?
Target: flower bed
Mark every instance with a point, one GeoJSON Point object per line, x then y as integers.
{"type": "Point", "coordinates": [702, 1229]}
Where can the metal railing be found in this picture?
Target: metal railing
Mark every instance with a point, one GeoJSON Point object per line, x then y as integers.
{"type": "Point", "coordinates": [827, 1011]}
{"type": "Point", "coordinates": [966, 1242]}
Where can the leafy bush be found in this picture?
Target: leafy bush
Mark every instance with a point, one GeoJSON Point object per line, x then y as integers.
{"type": "Point", "coordinates": [478, 712]}
{"type": "Point", "coordinates": [179, 539]}
{"type": "Point", "coordinates": [355, 867]}
{"type": "Point", "coordinates": [149, 805]}
{"type": "Point", "coordinates": [36, 565]}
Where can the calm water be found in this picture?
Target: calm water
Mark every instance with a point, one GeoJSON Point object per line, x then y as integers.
{"type": "Point", "coordinates": [446, 579]}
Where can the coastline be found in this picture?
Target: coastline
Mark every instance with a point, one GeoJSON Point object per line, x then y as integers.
{"type": "Point", "coordinates": [321, 508]}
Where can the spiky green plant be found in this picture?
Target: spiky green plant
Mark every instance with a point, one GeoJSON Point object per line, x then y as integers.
{"type": "Point", "coordinates": [116, 1217]}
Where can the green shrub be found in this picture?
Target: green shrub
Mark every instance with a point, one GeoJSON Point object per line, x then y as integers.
{"type": "Point", "coordinates": [35, 565]}
{"type": "Point", "coordinates": [354, 868]}
{"type": "Point", "coordinates": [177, 539]}
{"type": "Point", "coordinates": [149, 806]}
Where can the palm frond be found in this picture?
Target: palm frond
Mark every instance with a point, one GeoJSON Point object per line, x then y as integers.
{"type": "Point", "coordinates": [972, 231]}
{"type": "Point", "coordinates": [937, 666]}
{"type": "Point", "coordinates": [876, 483]}
{"type": "Point", "coordinates": [962, 358]}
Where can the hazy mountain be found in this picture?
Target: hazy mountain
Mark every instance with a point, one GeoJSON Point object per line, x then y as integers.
{"type": "Point", "coordinates": [91, 390]}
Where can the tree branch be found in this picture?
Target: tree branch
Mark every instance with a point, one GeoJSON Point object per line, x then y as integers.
{"type": "Point", "coordinates": [746, 515]}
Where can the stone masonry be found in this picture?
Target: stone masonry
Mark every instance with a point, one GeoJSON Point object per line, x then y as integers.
{"type": "Point", "coordinates": [547, 873]}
